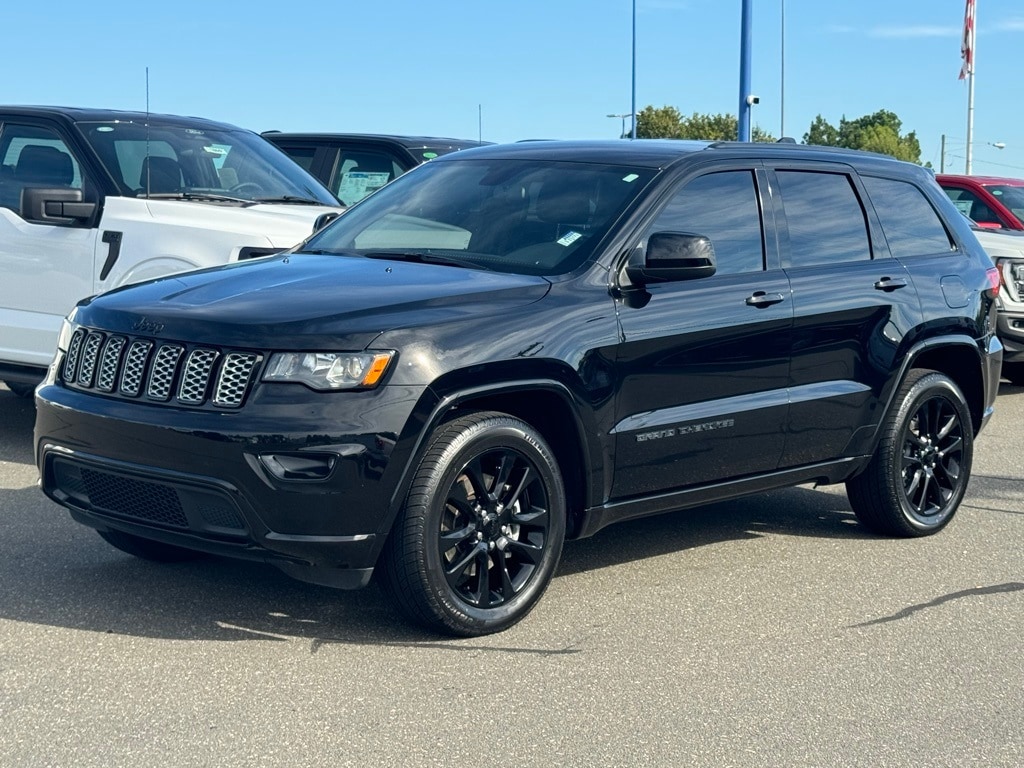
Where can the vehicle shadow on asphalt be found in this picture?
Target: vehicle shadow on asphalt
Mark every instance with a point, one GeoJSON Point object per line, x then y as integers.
{"type": "Point", "coordinates": [59, 573]}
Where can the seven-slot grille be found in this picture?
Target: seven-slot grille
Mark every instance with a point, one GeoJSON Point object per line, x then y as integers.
{"type": "Point", "coordinates": [162, 371]}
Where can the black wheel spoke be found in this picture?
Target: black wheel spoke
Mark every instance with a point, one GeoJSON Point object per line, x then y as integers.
{"type": "Point", "coordinates": [514, 493]}
{"type": "Point", "coordinates": [527, 551]}
{"type": "Point", "coordinates": [506, 463]}
{"type": "Point", "coordinates": [501, 564]}
{"type": "Point", "coordinates": [535, 517]}
{"type": "Point", "coordinates": [452, 539]}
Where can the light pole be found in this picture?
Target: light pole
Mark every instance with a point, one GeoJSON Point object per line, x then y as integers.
{"type": "Point", "coordinates": [623, 118]}
{"type": "Point", "coordinates": [969, 144]}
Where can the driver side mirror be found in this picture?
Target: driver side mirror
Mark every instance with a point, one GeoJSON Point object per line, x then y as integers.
{"type": "Point", "coordinates": [671, 257]}
{"type": "Point", "coordinates": [55, 206]}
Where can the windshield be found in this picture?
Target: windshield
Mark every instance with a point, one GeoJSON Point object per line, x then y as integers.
{"type": "Point", "coordinates": [1011, 197]}
{"type": "Point", "coordinates": [172, 161]}
{"type": "Point", "coordinates": [527, 216]}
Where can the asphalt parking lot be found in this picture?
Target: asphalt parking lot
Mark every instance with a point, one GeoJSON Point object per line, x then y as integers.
{"type": "Point", "coordinates": [770, 631]}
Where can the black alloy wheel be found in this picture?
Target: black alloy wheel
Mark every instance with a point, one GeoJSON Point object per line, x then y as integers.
{"type": "Point", "coordinates": [482, 529]}
{"type": "Point", "coordinates": [917, 478]}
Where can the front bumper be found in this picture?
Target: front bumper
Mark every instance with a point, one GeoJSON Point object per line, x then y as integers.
{"type": "Point", "coordinates": [1010, 329]}
{"type": "Point", "coordinates": [303, 480]}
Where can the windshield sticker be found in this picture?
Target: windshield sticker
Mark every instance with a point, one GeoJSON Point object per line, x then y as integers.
{"type": "Point", "coordinates": [355, 185]}
{"type": "Point", "coordinates": [430, 155]}
{"type": "Point", "coordinates": [569, 238]}
{"type": "Point", "coordinates": [631, 177]}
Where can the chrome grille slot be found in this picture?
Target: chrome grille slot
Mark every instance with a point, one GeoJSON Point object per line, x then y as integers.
{"type": "Point", "coordinates": [195, 381]}
{"type": "Point", "coordinates": [73, 356]}
{"type": "Point", "coordinates": [90, 356]}
{"type": "Point", "coordinates": [233, 380]}
{"type": "Point", "coordinates": [161, 376]}
{"type": "Point", "coordinates": [135, 367]}
{"type": "Point", "coordinates": [109, 363]}
{"type": "Point", "coordinates": [164, 371]}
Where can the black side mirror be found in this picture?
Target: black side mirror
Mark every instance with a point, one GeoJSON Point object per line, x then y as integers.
{"type": "Point", "coordinates": [55, 206]}
{"type": "Point", "coordinates": [670, 257]}
{"type": "Point", "coordinates": [323, 220]}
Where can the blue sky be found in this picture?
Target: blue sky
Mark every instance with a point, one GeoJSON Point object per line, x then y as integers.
{"type": "Point", "coordinates": [526, 69]}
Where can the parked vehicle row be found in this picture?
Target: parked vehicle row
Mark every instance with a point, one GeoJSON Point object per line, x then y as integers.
{"type": "Point", "coordinates": [515, 345]}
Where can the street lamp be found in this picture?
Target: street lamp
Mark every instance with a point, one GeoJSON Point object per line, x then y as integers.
{"type": "Point", "coordinates": [942, 151]}
{"type": "Point", "coordinates": [623, 118]}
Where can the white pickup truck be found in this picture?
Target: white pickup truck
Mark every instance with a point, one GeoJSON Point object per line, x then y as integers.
{"type": "Point", "coordinates": [1006, 248]}
{"type": "Point", "coordinates": [94, 199]}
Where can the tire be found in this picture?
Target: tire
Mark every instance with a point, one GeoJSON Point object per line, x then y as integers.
{"type": "Point", "coordinates": [20, 388]}
{"type": "Point", "coordinates": [1014, 373]}
{"type": "Point", "coordinates": [482, 528]}
{"type": "Point", "coordinates": [918, 475]}
{"type": "Point", "coordinates": [147, 549]}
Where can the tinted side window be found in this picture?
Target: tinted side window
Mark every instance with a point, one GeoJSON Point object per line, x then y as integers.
{"type": "Point", "coordinates": [825, 219]}
{"type": "Point", "coordinates": [34, 157]}
{"type": "Point", "coordinates": [361, 172]}
{"type": "Point", "coordinates": [911, 225]}
{"type": "Point", "coordinates": [723, 207]}
{"type": "Point", "coordinates": [971, 205]}
{"type": "Point", "coordinates": [303, 156]}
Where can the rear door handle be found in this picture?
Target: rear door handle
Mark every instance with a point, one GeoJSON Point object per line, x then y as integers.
{"type": "Point", "coordinates": [888, 284]}
{"type": "Point", "coordinates": [762, 299]}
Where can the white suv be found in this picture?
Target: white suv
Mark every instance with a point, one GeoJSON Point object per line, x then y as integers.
{"type": "Point", "coordinates": [94, 199]}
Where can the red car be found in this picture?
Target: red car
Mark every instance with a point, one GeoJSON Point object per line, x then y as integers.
{"type": "Point", "coordinates": [993, 202]}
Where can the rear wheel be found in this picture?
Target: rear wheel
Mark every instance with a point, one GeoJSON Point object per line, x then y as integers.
{"type": "Point", "coordinates": [482, 528]}
{"type": "Point", "coordinates": [148, 549]}
{"type": "Point", "coordinates": [918, 475]}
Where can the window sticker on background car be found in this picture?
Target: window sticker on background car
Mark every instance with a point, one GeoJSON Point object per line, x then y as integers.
{"type": "Point", "coordinates": [630, 177]}
{"type": "Point", "coordinates": [355, 185]}
{"type": "Point", "coordinates": [569, 238]}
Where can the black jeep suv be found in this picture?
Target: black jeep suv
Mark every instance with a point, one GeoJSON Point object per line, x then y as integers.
{"type": "Point", "coordinates": [514, 345]}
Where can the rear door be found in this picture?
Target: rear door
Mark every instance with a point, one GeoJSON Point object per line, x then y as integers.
{"type": "Point", "coordinates": [853, 306]}
{"type": "Point", "coordinates": [703, 367]}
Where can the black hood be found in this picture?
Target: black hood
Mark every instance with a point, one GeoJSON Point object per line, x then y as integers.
{"type": "Point", "coordinates": [299, 299]}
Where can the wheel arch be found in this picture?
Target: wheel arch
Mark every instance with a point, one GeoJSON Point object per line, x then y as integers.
{"type": "Point", "coordinates": [957, 357]}
{"type": "Point", "coordinates": [546, 403]}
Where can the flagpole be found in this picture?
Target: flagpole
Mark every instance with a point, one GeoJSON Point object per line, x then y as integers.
{"type": "Point", "coordinates": [973, 33]}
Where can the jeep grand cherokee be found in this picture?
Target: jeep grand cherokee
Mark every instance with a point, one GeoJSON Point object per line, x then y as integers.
{"type": "Point", "coordinates": [514, 345]}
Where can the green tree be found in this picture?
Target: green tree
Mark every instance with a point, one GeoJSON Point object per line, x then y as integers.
{"type": "Point", "coordinates": [658, 123]}
{"type": "Point", "coordinates": [668, 123]}
{"type": "Point", "coordinates": [879, 132]}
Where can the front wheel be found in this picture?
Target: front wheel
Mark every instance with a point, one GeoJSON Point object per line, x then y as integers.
{"type": "Point", "coordinates": [918, 475]}
{"type": "Point", "coordinates": [482, 528]}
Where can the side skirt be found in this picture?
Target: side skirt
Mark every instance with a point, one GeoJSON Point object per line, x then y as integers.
{"type": "Point", "coordinates": [596, 518]}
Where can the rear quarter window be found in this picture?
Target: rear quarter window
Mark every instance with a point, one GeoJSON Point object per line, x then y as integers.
{"type": "Point", "coordinates": [911, 224]}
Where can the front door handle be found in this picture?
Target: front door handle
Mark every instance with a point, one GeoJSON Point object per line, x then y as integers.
{"type": "Point", "coordinates": [762, 299]}
{"type": "Point", "coordinates": [888, 284]}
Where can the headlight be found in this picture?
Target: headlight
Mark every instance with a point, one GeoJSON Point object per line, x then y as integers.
{"type": "Point", "coordinates": [1012, 271]}
{"type": "Point", "coordinates": [329, 370]}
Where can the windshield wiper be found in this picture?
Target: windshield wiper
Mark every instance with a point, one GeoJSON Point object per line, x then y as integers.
{"type": "Point", "coordinates": [196, 196]}
{"type": "Point", "coordinates": [289, 199]}
{"type": "Point", "coordinates": [423, 257]}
